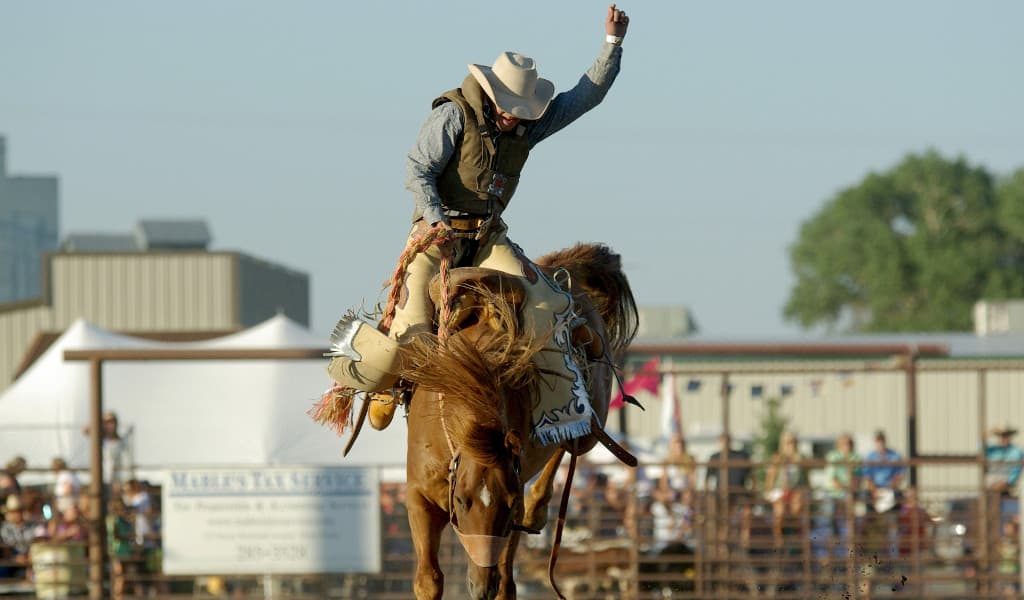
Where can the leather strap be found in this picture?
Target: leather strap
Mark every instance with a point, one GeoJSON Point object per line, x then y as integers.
{"type": "Point", "coordinates": [359, 425]}
{"type": "Point", "coordinates": [563, 508]}
{"type": "Point", "coordinates": [467, 223]}
{"type": "Point", "coordinates": [606, 440]}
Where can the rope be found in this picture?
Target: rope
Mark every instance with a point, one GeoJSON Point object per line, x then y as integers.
{"type": "Point", "coordinates": [435, 236]}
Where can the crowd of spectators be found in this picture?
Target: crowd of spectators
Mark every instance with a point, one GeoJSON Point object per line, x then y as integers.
{"type": "Point", "coordinates": [54, 513]}
{"type": "Point", "coordinates": [856, 504]}
{"type": "Point", "coordinates": [667, 505]}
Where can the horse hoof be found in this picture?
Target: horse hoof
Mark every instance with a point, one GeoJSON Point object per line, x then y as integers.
{"type": "Point", "coordinates": [382, 410]}
{"type": "Point", "coordinates": [536, 520]}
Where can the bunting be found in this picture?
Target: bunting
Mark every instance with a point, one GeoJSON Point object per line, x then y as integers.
{"type": "Point", "coordinates": [646, 379]}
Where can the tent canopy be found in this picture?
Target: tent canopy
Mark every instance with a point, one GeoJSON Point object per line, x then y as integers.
{"type": "Point", "coordinates": [191, 413]}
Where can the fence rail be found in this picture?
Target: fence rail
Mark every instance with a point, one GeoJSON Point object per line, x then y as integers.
{"type": "Point", "coordinates": [625, 538]}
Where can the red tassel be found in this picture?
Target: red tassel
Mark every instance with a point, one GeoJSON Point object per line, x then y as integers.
{"type": "Point", "coordinates": [334, 409]}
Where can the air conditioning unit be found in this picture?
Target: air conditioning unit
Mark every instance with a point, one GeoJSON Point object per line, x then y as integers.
{"type": "Point", "coordinates": [665, 322]}
{"type": "Point", "coordinates": [992, 317]}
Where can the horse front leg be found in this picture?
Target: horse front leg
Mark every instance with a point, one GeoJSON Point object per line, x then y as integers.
{"type": "Point", "coordinates": [426, 522]}
{"type": "Point", "coordinates": [540, 493]}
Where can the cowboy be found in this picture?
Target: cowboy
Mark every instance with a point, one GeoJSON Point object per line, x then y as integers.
{"type": "Point", "coordinates": [1004, 461]}
{"type": "Point", "coordinates": [465, 167]}
{"type": "Point", "coordinates": [1002, 476]}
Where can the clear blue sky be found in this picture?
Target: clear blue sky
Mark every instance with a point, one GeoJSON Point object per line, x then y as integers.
{"type": "Point", "coordinates": [286, 124]}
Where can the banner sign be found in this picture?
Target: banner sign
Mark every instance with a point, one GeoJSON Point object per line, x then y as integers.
{"type": "Point", "coordinates": [274, 520]}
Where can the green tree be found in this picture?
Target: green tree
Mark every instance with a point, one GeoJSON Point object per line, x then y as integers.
{"type": "Point", "coordinates": [773, 423]}
{"type": "Point", "coordinates": [1010, 193]}
{"type": "Point", "coordinates": [766, 441]}
{"type": "Point", "coordinates": [910, 249]}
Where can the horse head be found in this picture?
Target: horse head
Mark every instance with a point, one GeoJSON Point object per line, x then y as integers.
{"type": "Point", "coordinates": [486, 383]}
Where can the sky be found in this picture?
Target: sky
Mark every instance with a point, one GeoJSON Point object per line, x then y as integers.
{"type": "Point", "coordinates": [286, 125]}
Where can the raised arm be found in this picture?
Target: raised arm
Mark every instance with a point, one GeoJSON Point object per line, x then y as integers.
{"type": "Point", "coordinates": [591, 88]}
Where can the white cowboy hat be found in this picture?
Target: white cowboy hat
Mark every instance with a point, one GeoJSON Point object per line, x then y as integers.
{"type": "Point", "coordinates": [12, 504]}
{"type": "Point", "coordinates": [513, 84]}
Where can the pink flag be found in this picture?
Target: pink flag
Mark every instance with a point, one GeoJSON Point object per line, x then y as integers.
{"type": "Point", "coordinates": [645, 379]}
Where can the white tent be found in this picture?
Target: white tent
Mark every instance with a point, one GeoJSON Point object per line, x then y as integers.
{"type": "Point", "coordinates": [187, 413]}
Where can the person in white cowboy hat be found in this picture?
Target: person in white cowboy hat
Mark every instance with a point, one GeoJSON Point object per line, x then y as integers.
{"type": "Point", "coordinates": [465, 166]}
{"type": "Point", "coordinates": [15, 533]}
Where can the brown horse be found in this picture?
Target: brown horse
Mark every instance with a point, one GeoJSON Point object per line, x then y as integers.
{"type": "Point", "coordinates": [470, 447]}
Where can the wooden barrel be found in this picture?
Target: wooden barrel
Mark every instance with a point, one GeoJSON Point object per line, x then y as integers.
{"type": "Point", "coordinates": [61, 570]}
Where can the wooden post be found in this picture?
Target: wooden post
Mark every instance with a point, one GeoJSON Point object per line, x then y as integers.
{"type": "Point", "coordinates": [983, 496]}
{"type": "Point", "coordinates": [724, 515]}
{"type": "Point", "coordinates": [911, 371]}
{"type": "Point", "coordinates": [97, 501]}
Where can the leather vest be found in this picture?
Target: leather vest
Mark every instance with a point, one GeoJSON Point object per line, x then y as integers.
{"type": "Point", "coordinates": [483, 173]}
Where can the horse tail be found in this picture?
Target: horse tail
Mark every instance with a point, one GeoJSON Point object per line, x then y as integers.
{"type": "Point", "coordinates": [597, 271]}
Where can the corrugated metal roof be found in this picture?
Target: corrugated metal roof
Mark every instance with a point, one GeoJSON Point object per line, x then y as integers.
{"type": "Point", "coordinates": [155, 234]}
{"type": "Point", "coordinates": [960, 344]}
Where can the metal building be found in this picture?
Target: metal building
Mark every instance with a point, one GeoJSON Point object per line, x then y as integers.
{"type": "Point", "coordinates": [28, 229]}
{"type": "Point", "coordinates": [169, 284]}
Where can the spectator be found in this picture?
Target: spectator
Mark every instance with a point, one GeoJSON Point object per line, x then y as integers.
{"type": "Point", "coordinates": [16, 534]}
{"type": "Point", "coordinates": [120, 538]}
{"type": "Point", "coordinates": [138, 502]}
{"type": "Point", "coordinates": [115, 451]}
{"type": "Point", "coordinates": [1008, 550]}
{"type": "Point", "coordinates": [1004, 460]}
{"type": "Point", "coordinates": [395, 540]}
{"type": "Point", "coordinates": [914, 521]}
{"type": "Point", "coordinates": [9, 477]}
{"type": "Point", "coordinates": [884, 475]}
{"type": "Point", "coordinates": [738, 473]}
{"type": "Point", "coordinates": [737, 494]}
{"type": "Point", "coordinates": [68, 526]}
{"type": "Point", "coordinates": [8, 486]}
{"type": "Point", "coordinates": [786, 484]}
{"type": "Point", "coordinates": [842, 479]}
{"type": "Point", "coordinates": [680, 467]}
{"type": "Point", "coordinates": [67, 487]}
{"type": "Point", "coordinates": [605, 513]}
{"type": "Point", "coordinates": [672, 518]}
{"type": "Point", "coordinates": [116, 461]}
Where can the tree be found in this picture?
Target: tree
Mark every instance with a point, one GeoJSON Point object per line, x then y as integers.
{"type": "Point", "coordinates": [766, 442]}
{"type": "Point", "coordinates": [910, 249]}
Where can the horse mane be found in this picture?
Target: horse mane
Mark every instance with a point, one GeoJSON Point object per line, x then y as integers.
{"type": "Point", "coordinates": [597, 271]}
{"type": "Point", "coordinates": [484, 372]}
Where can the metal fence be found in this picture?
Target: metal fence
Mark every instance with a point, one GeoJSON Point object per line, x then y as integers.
{"type": "Point", "coordinates": [945, 535]}
{"type": "Point", "coordinates": [624, 539]}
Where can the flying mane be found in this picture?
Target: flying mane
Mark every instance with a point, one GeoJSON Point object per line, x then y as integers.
{"type": "Point", "coordinates": [596, 271]}
{"type": "Point", "coordinates": [483, 373]}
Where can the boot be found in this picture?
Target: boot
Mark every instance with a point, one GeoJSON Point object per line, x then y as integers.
{"type": "Point", "coordinates": [382, 409]}
{"type": "Point", "coordinates": [384, 403]}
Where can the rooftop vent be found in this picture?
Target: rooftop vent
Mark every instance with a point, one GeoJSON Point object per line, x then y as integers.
{"type": "Point", "coordinates": [992, 317]}
{"type": "Point", "coordinates": [172, 235]}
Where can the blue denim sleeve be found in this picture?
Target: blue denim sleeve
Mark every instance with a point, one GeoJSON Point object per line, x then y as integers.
{"type": "Point", "coordinates": [428, 158]}
{"type": "Point", "coordinates": [588, 93]}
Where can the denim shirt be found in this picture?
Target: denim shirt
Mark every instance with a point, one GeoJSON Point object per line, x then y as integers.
{"type": "Point", "coordinates": [1009, 454]}
{"type": "Point", "coordinates": [441, 133]}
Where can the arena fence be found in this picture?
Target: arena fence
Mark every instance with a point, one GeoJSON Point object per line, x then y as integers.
{"type": "Point", "coordinates": [623, 542]}
{"type": "Point", "coordinates": [948, 536]}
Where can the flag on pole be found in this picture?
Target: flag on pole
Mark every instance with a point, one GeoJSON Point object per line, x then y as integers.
{"type": "Point", "coordinates": [671, 415]}
{"type": "Point", "coordinates": [645, 379]}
